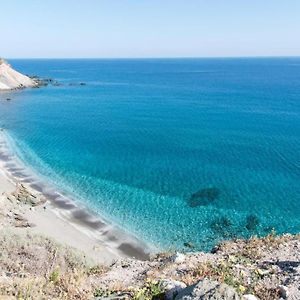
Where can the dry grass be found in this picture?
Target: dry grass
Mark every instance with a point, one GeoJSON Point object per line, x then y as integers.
{"type": "Point", "coordinates": [254, 248]}
{"type": "Point", "coordinates": [36, 267]}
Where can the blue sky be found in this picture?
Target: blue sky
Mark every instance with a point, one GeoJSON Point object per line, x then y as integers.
{"type": "Point", "coordinates": [153, 28]}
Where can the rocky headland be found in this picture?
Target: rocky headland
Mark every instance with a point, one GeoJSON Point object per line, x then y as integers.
{"type": "Point", "coordinates": [11, 79]}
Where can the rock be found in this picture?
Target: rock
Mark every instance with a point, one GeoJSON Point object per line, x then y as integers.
{"type": "Point", "coordinates": [188, 245]}
{"type": "Point", "coordinates": [204, 197]}
{"type": "Point", "coordinates": [252, 222]}
{"type": "Point", "coordinates": [77, 84]}
{"type": "Point", "coordinates": [23, 224]}
{"type": "Point", "coordinates": [19, 217]}
{"type": "Point", "coordinates": [11, 79]}
{"type": "Point", "coordinates": [172, 287]}
{"type": "Point", "coordinates": [208, 290]}
{"type": "Point", "coordinates": [249, 297]}
{"type": "Point", "coordinates": [178, 258]}
{"type": "Point", "coordinates": [112, 297]}
{"type": "Point", "coordinates": [284, 292]}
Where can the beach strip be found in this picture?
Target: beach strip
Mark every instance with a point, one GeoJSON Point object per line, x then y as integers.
{"type": "Point", "coordinates": [47, 212]}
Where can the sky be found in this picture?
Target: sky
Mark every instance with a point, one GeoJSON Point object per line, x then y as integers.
{"type": "Point", "coordinates": [149, 28]}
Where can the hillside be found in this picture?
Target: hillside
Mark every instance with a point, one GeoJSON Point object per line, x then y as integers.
{"type": "Point", "coordinates": [11, 79]}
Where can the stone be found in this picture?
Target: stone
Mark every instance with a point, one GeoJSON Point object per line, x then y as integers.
{"type": "Point", "coordinates": [208, 290]}
{"type": "Point", "coordinates": [249, 297]}
{"type": "Point", "coordinates": [19, 217]}
{"type": "Point", "coordinates": [284, 292]}
{"type": "Point", "coordinates": [204, 197]}
{"type": "Point", "coordinates": [178, 258]}
{"type": "Point", "coordinates": [172, 288]}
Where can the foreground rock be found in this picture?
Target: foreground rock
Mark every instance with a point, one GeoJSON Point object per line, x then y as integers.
{"type": "Point", "coordinates": [11, 79]}
{"type": "Point", "coordinates": [208, 290]}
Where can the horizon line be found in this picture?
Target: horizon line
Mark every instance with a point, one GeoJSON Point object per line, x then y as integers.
{"type": "Point", "coordinates": [162, 57]}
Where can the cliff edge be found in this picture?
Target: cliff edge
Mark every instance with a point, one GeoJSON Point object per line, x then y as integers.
{"type": "Point", "coordinates": [11, 79]}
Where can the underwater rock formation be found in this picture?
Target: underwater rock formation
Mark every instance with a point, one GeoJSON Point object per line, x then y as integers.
{"type": "Point", "coordinates": [252, 222]}
{"type": "Point", "coordinates": [203, 197]}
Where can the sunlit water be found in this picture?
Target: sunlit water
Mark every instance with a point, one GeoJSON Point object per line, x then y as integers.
{"type": "Point", "coordinates": [177, 152]}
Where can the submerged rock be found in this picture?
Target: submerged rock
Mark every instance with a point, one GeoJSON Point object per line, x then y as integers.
{"type": "Point", "coordinates": [223, 227]}
{"type": "Point", "coordinates": [204, 197]}
{"type": "Point", "coordinates": [77, 84]}
{"type": "Point", "coordinates": [188, 245]}
{"type": "Point", "coordinates": [219, 224]}
{"type": "Point", "coordinates": [252, 222]}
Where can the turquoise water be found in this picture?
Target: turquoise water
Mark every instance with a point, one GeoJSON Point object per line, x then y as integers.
{"type": "Point", "coordinates": [176, 151]}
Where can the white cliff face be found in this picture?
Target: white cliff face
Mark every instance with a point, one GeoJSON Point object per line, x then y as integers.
{"type": "Point", "coordinates": [11, 79]}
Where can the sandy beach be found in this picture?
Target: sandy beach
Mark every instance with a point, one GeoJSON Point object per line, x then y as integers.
{"type": "Point", "coordinates": [29, 206]}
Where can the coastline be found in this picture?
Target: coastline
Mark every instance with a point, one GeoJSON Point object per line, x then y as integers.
{"type": "Point", "coordinates": [60, 218]}
{"type": "Point", "coordinates": [39, 224]}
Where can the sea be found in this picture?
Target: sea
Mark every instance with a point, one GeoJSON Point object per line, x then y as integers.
{"type": "Point", "coordinates": [180, 153]}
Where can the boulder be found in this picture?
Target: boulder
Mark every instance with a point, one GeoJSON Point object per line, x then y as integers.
{"type": "Point", "coordinates": [284, 292]}
{"type": "Point", "coordinates": [178, 258]}
{"type": "Point", "coordinates": [208, 290]}
{"type": "Point", "coordinates": [172, 288]}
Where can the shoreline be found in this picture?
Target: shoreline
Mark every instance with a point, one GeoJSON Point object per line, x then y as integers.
{"type": "Point", "coordinates": [63, 219]}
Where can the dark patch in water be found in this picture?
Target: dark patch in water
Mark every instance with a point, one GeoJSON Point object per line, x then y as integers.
{"type": "Point", "coordinates": [252, 222]}
{"type": "Point", "coordinates": [224, 228]}
{"type": "Point", "coordinates": [204, 197]}
{"type": "Point", "coordinates": [219, 225]}
{"type": "Point", "coordinates": [188, 245]}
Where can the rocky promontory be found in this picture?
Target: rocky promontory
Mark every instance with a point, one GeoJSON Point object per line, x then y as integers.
{"type": "Point", "coordinates": [11, 79]}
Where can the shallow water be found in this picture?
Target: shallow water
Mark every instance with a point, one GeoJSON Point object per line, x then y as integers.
{"type": "Point", "coordinates": [175, 151]}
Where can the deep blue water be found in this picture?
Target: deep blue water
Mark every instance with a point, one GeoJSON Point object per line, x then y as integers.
{"type": "Point", "coordinates": [142, 136]}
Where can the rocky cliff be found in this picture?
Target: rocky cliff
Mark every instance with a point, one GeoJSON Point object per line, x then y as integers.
{"type": "Point", "coordinates": [11, 79]}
